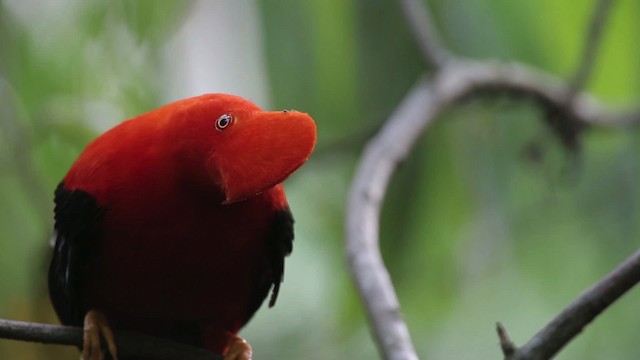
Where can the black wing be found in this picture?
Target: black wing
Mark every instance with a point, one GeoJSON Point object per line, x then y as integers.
{"type": "Point", "coordinates": [279, 245]}
{"type": "Point", "coordinates": [77, 227]}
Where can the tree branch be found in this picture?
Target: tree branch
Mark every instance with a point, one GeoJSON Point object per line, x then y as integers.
{"type": "Point", "coordinates": [590, 47]}
{"type": "Point", "coordinates": [363, 213]}
{"type": "Point", "coordinates": [570, 322]}
{"type": "Point", "coordinates": [129, 344]}
{"type": "Point", "coordinates": [424, 31]}
{"type": "Point", "coordinates": [453, 80]}
{"type": "Point", "coordinates": [507, 346]}
{"type": "Point", "coordinates": [428, 98]}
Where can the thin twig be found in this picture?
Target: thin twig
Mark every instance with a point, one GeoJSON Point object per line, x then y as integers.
{"type": "Point", "coordinates": [570, 322]}
{"type": "Point", "coordinates": [590, 47]}
{"type": "Point", "coordinates": [425, 33]}
{"type": "Point", "coordinates": [507, 346]}
{"type": "Point", "coordinates": [129, 344]}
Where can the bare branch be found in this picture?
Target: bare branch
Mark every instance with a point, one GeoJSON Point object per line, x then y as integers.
{"type": "Point", "coordinates": [590, 46]}
{"type": "Point", "coordinates": [455, 81]}
{"type": "Point", "coordinates": [368, 270]}
{"type": "Point", "coordinates": [570, 322]}
{"type": "Point", "coordinates": [425, 33]}
{"type": "Point", "coordinates": [507, 346]}
{"type": "Point", "coordinates": [129, 344]}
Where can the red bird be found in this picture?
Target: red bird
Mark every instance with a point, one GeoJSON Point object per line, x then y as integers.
{"type": "Point", "coordinates": [175, 223]}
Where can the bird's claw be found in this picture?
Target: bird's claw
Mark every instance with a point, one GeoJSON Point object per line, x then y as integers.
{"type": "Point", "coordinates": [239, 349]}
{"type": "Point", "coordinates": [95, 323]}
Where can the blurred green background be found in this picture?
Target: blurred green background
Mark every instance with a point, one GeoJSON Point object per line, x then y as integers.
{"type": "Point", "coordinates": [488, 220]}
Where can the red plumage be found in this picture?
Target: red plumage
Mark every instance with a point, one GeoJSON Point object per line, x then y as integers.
{"type": "Point", "coordinates": [175, 223]}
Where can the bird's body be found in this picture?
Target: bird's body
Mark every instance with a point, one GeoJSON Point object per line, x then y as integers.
{"type": "Point", "coordinates": [173, 226]}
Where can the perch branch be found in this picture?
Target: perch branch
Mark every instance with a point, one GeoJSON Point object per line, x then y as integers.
{"type": "Point", "coordinates": [570, 322]}
{"type": "Point", "coordinates": [129, 344]}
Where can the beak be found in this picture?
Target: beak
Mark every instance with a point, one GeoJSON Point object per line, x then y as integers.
{"type": "Point", "coordinates": [263, 150]}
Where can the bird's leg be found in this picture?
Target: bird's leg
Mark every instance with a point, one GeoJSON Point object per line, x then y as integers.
{"type": "Point", "coordinates": [238, 349]}
{"type": "Point", "coordinates": [95, 323]}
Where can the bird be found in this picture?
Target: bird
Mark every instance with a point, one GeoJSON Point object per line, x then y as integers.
{"type": "Point", "coordinates": [175, 224]}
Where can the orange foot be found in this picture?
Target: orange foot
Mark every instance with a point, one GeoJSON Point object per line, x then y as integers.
{"type": "Point", "coordinates": [239, 349]}
{"type": "Point", "coordinates": [95, 323]}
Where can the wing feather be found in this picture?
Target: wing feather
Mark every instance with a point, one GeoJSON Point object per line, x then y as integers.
{"type": "Point", "coordinates": [279, 245]}
{"type": "Point", "coordinates": [77, 228]}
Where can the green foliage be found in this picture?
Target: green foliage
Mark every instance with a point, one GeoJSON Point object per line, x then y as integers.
{"type": "Point", "coordinates": [488, 219]}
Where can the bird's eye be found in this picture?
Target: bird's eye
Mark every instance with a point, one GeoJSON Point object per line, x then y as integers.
{"type": "Point", "coordinates": [224, 121]}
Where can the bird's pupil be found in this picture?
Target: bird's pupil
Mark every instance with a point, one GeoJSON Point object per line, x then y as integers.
{"type": "Point", "coordinates": [223, 121]}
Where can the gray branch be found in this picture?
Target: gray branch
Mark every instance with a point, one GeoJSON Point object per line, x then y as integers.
{"type": "Point", "coordinates": [129, 344]}
{"type": "Point", "coordinates": [424, 30]}
{"type": "Point", "coordinates": [590, 47]}
{"type": "Point", "coordinates": [453, 80]}
{"type": "Point", "coordinates": [570, 322]}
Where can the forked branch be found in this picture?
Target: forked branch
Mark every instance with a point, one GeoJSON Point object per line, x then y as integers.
{"type": "Point", "coordinates": [570, 322]}
{"type": "Point", "coordinates": [455, 79]}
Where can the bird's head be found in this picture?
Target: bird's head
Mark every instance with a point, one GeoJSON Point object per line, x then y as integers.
{"type": "Point", "coordinates": [243, 149]}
